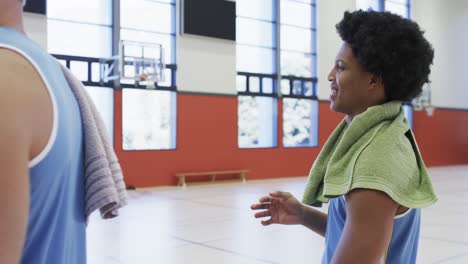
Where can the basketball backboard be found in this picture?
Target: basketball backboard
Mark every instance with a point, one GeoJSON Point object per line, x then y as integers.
{"type": "Point", "coordinates": [138, 62]}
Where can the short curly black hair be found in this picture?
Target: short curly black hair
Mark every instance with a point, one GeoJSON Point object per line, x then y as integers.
{"type": "Point", "coordinates": [391, 47]}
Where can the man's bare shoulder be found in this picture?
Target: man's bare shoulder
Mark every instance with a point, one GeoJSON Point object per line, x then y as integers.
{"type": "Point", "coordinates": [15, 69]}
{"type": "Point", "coordinates": [25, 104]}
{"type": "Point", "coordinates": [21, 86]}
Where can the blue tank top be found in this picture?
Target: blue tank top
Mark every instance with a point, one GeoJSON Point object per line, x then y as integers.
{"type": "Point", "coordinates": [403, 247]}
{"type": "Point", "coordinates": [56, 232]}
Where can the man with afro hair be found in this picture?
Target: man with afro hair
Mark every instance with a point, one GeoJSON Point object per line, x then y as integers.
{"type": "Point", "coordinates": [370, 171]}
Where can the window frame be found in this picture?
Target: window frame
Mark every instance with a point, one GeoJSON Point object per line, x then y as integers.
{"type": "Point", "coordinates": [276, 75]}
{"type": "Point", "coordinates": [90, 63]}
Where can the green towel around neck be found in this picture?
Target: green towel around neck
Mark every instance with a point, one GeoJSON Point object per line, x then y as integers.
{"type": "Point", "coordinates": [377, 150]}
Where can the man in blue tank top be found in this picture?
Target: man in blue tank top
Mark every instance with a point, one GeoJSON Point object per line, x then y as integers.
{"type": "Point", "coordinates": [370, 170]}
{"type": "Point", "coordinates": [41, 154]}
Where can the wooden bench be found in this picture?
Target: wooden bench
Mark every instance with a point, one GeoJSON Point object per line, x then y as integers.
{"type": "Point", "coordinates": [212, 174]}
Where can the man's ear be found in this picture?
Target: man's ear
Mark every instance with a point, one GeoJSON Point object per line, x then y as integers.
{"type": "Point", "coordinates": [375, 80]}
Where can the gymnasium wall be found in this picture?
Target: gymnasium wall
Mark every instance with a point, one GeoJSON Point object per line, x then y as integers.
{"type": "Point", "coordinates": [207, 140]}
{"type": "Point", "coordinates": [36, 27]}
{"type": "Point", "coordinates": [443, 137]}
{"type": "Point", "coordinates": [206, 65]}
{"type": "Point", "coordinates": [330, 12]}
{"type": "Point", "coordinates": [207, 120]}
{"type": "Point", "coordinates": [446, 24]}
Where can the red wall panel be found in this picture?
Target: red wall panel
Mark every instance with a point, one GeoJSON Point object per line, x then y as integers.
{"type": "Point", "coordinates": [443, 137]}
{"type": "Point", "coordinates": [207, 140]}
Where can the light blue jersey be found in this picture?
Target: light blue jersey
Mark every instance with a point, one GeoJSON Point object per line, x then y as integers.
{"type": "Point", "coordinates": [403, 246]}
{"type": "Point", "coordinates": [56, 232]}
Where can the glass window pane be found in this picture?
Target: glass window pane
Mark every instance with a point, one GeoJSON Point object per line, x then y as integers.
{"type": "Point", "coordinates": [166, 40]}
{"type": "Point", "coordinates": [308, 88]}
{"type": "Point", "coordinates": [254, 84]}
{"type": "Point", "coordinates": [241, 83]}
{"type": "Point", "coordinates": [398, 9]}
{"type": "Point", "coordinates": [88, 11]}
{"type": "Point", "coordinates": [95, 72]}
{"type": "Point", "coordinates": [86, 40]}
{"type": "Point", "coordinates": [80, 70]}
{"type": "Point", "coordinates": [257, 122]}
{"type": "Point", "coordinates": [260, 9]}
{"type": "Point", "coordinates": [103, 99]}
{"type": "Point", "coordinates": [254, 32]}
{"type": "Point", "coordinates": [402, 2]}
{"type": "Point", "coordinates": [147, 15]}
{"type": "Point", "coordinates": [267, 85]}
{"type": "Point", "coordinates": [296, 39]}
{"type": "Point", "coordinates": [297, 64]}
{"type": "Point", "coordinates": [297, 87]}
{"type": "Point", "coordinates": [148, 119]}
{"type": "Point", "coordinates": [408, 114]}
{"type": "Point", "coordinates": [167, 78]}
{"type": "Point", "coordinates": [368, 4]}
{"type": "Point", "coordinates": [300, 120]}
{"type": "Point", "coordinates": [285, 87]}
{"type": "Point", "coordinates": [295, 13]}
{"type": "Point", "coordinates": [254, 59]}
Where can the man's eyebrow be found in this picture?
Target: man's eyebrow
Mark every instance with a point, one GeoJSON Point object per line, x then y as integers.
{"type": "Point", "coordinates": [340, 60]}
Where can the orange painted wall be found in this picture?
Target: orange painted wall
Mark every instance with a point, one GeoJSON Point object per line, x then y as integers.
{"type": "Point", "coordinates": [443, 137]}
{"type": "Point", "coordinates": [207, 140]}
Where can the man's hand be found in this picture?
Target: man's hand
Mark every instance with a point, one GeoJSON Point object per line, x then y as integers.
{"type": "Point", "coordinates": [281, 207]}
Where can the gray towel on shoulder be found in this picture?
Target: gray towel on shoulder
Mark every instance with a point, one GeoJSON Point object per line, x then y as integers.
{"type": "Point", "coordinates": [104, 184]}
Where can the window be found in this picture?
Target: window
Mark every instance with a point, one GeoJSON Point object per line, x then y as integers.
{"type": "Point", "coordinates": [103, 98]}
{"type": "Point", "coordinates": [255, 34]}
{"type": "Point", "coordinates": [408, 109]}
{"type": "Point", "coordinates": [256, 66]}
{"type": "Point", "coordinates": [149, 116]}
{"type": "Point", "coordinates": [261, 55]}
{"type": "Point", "coordinates": [300, 120]}
{"type": "Point", "coordinates": [376, 5]}
{"type": "Point", "coordinates": [80, 27]}
{"type": "Point", "coordinates": [400, 7]}
{"type": "Point", "coordinates": [155, 25]}
{"type": "Point", "coordinates": [298, 73]}
{"type": "Point", "coordinates": [257, 121]}
{"type": "Point", "coordinates": [84, 28]}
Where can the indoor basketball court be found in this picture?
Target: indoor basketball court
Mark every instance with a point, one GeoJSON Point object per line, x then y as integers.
{"type": "Point", "coordinates": [211, 104]}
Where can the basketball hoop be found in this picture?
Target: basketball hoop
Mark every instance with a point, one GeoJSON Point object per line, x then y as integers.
{"type": "Point", "coordinates": [137, 62]}
{"type": "Point", "coordinates": [429, 110]}
{"type": "Point", "coordinates": [424, 102]}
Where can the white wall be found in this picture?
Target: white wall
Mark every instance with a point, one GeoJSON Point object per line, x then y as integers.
{"type": "Point", "coordinates": [209, 65]}
{"type": "Point", "coordinates": [206, 65]}
{"type": "Point", "coordinates": [446, 26]}
{"type": "Point", "coordinates": [330, 12]}
{"type": "Point", "coordinates": [36, 28]}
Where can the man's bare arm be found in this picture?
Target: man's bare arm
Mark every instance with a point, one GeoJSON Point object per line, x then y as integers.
{"type": "Point", "coordinates": [368, 228]}
{"type": "Point", "coordinates": [25, 124]}
{"type": "Point", "coordinates": [315, 220]}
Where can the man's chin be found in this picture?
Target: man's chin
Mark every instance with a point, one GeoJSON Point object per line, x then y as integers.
{"type": "Point", "coordinates": [333, 106]}
{"type": "Point", "coordinates": [336, 108]}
